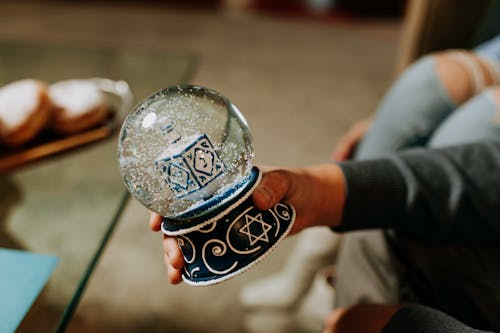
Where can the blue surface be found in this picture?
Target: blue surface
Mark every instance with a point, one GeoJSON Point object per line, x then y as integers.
{"type": "Point", "coordinates": [22, 277]}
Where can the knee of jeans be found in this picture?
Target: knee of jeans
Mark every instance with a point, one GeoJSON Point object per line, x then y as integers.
{"type": "Point", "coordinates": [494, 93]}
{"type": "Point", "coordinates": [463, 73]}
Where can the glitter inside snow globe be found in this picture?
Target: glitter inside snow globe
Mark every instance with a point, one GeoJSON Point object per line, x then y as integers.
{"type": "Point", "coordinates": [186, 153]}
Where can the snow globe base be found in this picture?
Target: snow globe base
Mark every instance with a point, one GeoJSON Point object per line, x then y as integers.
{"type": "Point", "coordinates": [231, 237]}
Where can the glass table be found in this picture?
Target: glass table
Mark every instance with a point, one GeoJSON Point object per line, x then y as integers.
{"type": "Point", "coordinates": [67, 205]}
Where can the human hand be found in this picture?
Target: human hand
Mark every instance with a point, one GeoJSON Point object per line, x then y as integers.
{"type": "Point", "coordinates": [317, 193]}
{"type": "Point", "coordinates": [347, 144]}
{"type": "Point", "coordinates": [368, 318]}
{"type": "Point", "coordinates": [172, 255]}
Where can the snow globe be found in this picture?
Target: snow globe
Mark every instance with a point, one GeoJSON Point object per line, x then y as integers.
{"type": "Point", "coordinates": [186, 153]}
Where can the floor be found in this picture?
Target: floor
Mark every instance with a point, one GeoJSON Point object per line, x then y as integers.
{"type": "Point", "coordinates": [299, 83]}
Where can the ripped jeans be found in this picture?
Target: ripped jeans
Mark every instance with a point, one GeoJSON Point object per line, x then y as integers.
{"type": "Point", "coordinates": [417, 111]}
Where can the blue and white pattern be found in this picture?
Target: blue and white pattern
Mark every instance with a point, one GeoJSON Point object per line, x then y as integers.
{"type": "Point", "coordinates": [192, 170]}
{"type": "Point", "coordinates": [233, 244]}
{"type": "Point", "coordinates": [255, 229]}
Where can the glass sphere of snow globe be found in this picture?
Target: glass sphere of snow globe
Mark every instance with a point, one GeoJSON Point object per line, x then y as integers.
{"type": "Point", "coordinates": [184, 150]}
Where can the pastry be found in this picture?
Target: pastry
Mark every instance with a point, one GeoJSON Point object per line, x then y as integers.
{"type": "Point", "coordinates": [24, 111]}
{"type": "Point", "coordinates": [77, 105]}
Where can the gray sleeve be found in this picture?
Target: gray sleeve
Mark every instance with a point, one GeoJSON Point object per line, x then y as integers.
{"type": "Point", "coordinates": [451, 193]}
{"type": "Point", "coordinates": [421, 319]}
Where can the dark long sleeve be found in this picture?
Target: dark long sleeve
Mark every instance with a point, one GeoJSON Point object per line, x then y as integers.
{"type": "Point", "coordinates": [422, 319]}
{"type": "Point", "coordinates": [451, 193]}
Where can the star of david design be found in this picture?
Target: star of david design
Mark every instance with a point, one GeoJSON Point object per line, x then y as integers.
{"type": "Point", "coordinates": [264, 228]}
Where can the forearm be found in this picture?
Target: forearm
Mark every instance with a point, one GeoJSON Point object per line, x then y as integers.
{"type": "Point", "coordinates": [451, 193]}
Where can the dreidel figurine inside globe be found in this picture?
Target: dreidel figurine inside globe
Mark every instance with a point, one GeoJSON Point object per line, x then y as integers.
{"type": "Point", "coordinates": [186, 153]}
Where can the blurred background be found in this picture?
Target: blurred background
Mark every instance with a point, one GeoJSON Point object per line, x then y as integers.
{"type": "Point", "coordinates": [300, 71]}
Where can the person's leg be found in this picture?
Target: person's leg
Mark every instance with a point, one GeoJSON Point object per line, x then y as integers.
{"type": "Point", "coordinates": [365, 270]}
{"type": "Point", "coordinates": [366, 267]}
{"type": "Point", "coordinates": [422, 98]}
{"type": "Point", "coordinates": [478, 119]}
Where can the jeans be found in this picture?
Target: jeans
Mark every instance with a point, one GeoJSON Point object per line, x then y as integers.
{"type": "Point", "coordinates": [417, 111]}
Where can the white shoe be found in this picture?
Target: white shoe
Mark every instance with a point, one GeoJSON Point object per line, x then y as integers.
{"type": "Point", "coordinates": [318, 303]}
{"type": "Point", "coordinates": [316, 248]}
{"type": "Point", "coordinates": [309, 317]}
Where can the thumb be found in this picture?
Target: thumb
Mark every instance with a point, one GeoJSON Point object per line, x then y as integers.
{"type": "Point", "coordinates": [272, 189]}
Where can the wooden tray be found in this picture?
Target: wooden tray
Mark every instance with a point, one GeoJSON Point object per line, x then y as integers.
{"type": "Point", "coordinates": [48, 144]}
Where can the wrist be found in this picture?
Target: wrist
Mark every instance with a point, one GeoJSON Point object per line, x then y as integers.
{"type": "Point", "coordinates": [328, 191]}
